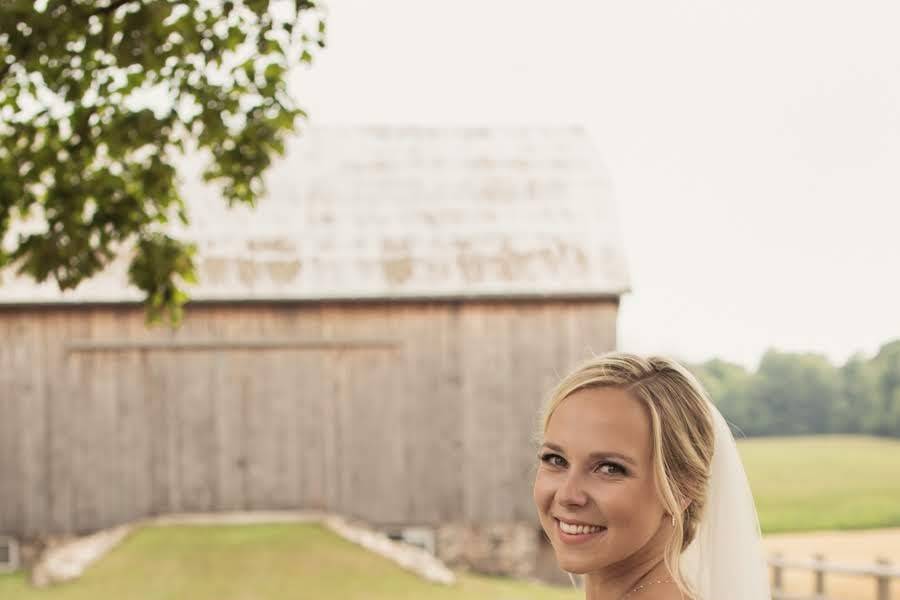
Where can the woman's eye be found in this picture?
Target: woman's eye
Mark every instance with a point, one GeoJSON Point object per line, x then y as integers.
{"type": "Point", "coordinates": [554, 460]}
{"type": "Point", "coordinates": [608, 468]}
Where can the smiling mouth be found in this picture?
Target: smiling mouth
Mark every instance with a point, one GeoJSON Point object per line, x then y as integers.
{"type": "Point", "coordinates": [576, 534]}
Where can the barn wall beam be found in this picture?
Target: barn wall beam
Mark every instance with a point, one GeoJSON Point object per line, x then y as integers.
{"type": "Point", "coordinates": [240, 344]}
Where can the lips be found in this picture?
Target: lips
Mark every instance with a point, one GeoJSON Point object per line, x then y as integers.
{"type": "Point", "coordinates": [577, 533]}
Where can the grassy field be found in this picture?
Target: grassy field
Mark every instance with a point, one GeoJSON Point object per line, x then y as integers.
{"type": "Point", "coordinates": [259, 562]}
{"type": "Point", "coordinates": [824, 482]}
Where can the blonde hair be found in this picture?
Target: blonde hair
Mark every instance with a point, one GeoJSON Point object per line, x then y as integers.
{"type": "Point", "coordinates": [681, 429]}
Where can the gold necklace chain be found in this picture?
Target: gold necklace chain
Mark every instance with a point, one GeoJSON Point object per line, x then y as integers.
{"type": "Point", "coordinates": [643, 585]}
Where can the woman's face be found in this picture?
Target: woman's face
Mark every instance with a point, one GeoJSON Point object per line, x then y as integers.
{"type": "Point", "coordinates": [594, 491]}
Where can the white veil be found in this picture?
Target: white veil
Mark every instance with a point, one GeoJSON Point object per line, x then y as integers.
{"type": "Point", "coordinates": [726, 559]}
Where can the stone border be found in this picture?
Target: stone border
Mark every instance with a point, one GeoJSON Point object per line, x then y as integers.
{"type": "Point", "coordinates": [68, 560]}
{"type": "Point", "coordinates": [412, 558]}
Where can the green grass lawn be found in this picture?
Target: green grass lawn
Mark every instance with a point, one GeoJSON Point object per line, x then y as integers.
{"type": "Point", "coordinates": [824, 482]}
{"type": "Point", "coordinates": [259, 562]}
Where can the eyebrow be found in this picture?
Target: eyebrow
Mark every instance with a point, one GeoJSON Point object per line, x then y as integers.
{"type": "Point", "coordinates": [596, 455]}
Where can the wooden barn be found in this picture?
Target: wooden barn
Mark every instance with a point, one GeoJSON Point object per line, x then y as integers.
{"type": "Point", "coordinates": [375, 339]}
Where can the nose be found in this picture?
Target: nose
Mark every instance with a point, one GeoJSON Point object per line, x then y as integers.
{"type": "Point", "coordinates": [571, 493]}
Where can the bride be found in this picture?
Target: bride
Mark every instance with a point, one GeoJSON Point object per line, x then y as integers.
{"type": "Point", "coordinates": [640, 488]}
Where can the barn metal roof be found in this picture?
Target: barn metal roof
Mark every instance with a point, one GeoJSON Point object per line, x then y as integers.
{"type": "Point", "coordinates": [400, 212]}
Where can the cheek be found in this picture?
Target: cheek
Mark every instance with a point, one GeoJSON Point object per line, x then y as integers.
{"type": "Point", "coordinates": [543, 491]}
{"type": "Point", "coordinates": [634, 508]}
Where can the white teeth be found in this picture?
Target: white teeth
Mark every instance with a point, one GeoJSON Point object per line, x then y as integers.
{"type": "Point", "coordinates": [578, 529]}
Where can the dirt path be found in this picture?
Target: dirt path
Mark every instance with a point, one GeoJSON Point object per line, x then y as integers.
{"type": "Point", "coordinates": [852, 547]}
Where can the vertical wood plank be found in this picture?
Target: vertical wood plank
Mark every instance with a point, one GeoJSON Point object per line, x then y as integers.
{"type": "Point", "coordinates": [258, 443]}
{"type": "Point", "coordinates": [370, 421]}
{"type": "Point", "coordinates": [118, 445]}
{"type": "Point", "coordinates": [211, 381]}
{"type": "Point", "coordinates": [70, 403]}
{"type": "Point", "coordinates": [819, 575]}
{"type": "Point", "coordinates": [158, 402]}
{"type": "Point", "coordinates": [88, 426]}
{"type": "Point", "coordinates": [135, 419]}
{"type": "Point", "coordinates": [313, 383]}
{"type": "Point", "coordinates": [448, 489]}
{"type": "Point", "coordinates": [777, 575]}
{"type": "Point", "coordinates": [10, 463]}
{"type": "Point", "coordinates": [195, 424]}
{"type": "Point", "coordinates": [531, 376]}
{"type": "Point", "coordinates": [61, 405]}
{"type": "Point", "coordinates": [287, 396]}
{"type": "Point", "coordinates": [268, 427]}
{"type": "Point", "coordinates": [169, 381]}
{"type": "Point", "coordinates": [109, 467]}
{"type": "Point", "coordinates": [415, 391]}
{"type": "Point", "coordinates": [487, 461]}
{"type": "Point", "coordinates": [334, 368]}
{"type": "Point", "coordinates": [427, 374]}
{"type": "Point", "coordinates": [883, 582]}
{"type": "Point", "coordinates": [229, 391]}
{"type": "Point", "coordinates": [31, 368]}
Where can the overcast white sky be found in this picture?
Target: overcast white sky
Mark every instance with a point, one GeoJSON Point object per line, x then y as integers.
{"type": "Point", "coordinates": [754, 147]}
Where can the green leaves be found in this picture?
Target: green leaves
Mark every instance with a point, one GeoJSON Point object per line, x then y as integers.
{"type": "Point", "coordinates": [161, 267]}
{"type": "Point", "coordinates": [97, 100]}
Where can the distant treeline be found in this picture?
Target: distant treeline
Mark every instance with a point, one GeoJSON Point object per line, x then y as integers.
{"type": "Point", "coordinates": [800, 394]}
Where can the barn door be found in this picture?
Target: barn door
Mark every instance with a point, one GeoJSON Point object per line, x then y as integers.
{"type": "Point", "coordinates": [163, 428]}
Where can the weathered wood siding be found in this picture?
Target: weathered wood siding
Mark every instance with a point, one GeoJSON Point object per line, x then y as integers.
{"type": "Point", "coordinates": [435, 424]}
